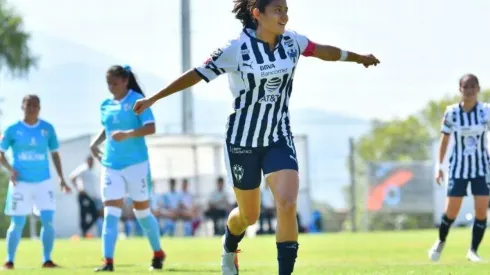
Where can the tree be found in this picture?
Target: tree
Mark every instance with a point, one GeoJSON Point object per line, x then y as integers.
{"type": "Point", "coordinates": [15, 54]}
{"type": "Point", "coordinates": [396, 140]}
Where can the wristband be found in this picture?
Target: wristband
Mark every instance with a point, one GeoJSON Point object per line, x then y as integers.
{"type": "Point", "coordinates": [343, 55]}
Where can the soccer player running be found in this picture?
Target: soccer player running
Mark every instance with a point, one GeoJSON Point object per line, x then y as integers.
{"type": "Point", "coordinates": [125, 163]}
{"type": "Point", "coordinates": [466, 123]}
{"type": "Point", "coordinates": [30, 181]}
{"type": "Point", "coordinates": [260, 64]}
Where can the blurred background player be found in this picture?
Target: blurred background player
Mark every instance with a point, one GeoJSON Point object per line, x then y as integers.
{"type": "Point", "coordinates": [31, 139]}
{"type": "Point", "coordinates": [261, 64]}
{"type": "Point", "coordinates": [125, 163]}
{"type": "Point", "coordinates": [84, 181]}
{"type": "Point", "coordinates": [218, 207]}
{"type": "Point", "coordinates": [466, 123]}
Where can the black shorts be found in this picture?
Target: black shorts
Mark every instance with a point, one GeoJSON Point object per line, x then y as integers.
{"type": "Point", "coordinates": [245, 165]}
{"type": "Point", "coordinates": [458, 187]}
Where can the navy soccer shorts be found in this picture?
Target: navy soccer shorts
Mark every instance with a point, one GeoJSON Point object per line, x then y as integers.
{"type": "Point", "coordinates": [245, 165]}
{"type": "Point", "coordinates": [458, 187]}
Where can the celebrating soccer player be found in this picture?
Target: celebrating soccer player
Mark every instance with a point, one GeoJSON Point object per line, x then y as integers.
{"type": "Point", "coordinates": [125, 163]}
{"type": "Point", "coordinates": [260, 63]}
{"type": "Point", "coordinates": [30, 184]}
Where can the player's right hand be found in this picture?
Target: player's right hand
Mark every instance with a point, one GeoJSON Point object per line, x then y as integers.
{"type": "Point", "coordinates": [96, 152]}
{"type": "Point", "coordinates": [439, 177]}
{"type": "Point", "coordinates": [142, 104]}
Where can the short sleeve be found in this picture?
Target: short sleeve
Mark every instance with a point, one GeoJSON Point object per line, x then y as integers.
{"type": "Point", "coordinates": [306, 47]}
{"type": "Point", "coordinates": [147, 117]}
{"type": "Point", "coordinates": [5, 140]}
{"type": "Point", "coordinates": [53, 140]}
{"type": "Point", "coordinates": [223, 60]}
{"type": "Point", "coordinates": [447, 122]}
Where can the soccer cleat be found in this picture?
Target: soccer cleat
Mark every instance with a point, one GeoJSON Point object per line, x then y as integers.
{"type": "Point", "coordinates": [473, 256]}
{"type": "Point", "coordinates": [229, 261]}
{"type": "Point", "coordinates": [8, 265]}
{"type": "Point", "coordinates": [49, 264]}
{"type": "Point", "coordinates": [436, 250]}
{"type": "Point", "coordinates": [106, 267]}
{"type": "Point", "coordinates": [157, 261]}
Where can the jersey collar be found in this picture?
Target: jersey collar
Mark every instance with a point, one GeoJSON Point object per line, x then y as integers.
{"type": "Point", "coordinates": [30, 126]}
{"type": "Point", "coordinates": [124, 98]}
{"type": "Point", "coordinates": [251, 33]}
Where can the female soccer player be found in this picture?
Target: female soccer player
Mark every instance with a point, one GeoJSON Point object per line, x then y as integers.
{"type": "Point", "coordinates": [125, 163]}
{"type": "Point", "coordinates": [466, 123]}
{"type": "Point", "coordinates": [260, 64]}
{"type": "Point", "coordinates": [30, 184]}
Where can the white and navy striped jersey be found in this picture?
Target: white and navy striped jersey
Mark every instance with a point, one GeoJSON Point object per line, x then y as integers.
{"type": "Point", "coordinates": [469, 158]}
{"type": "Point", "coordinates": [261, 82]}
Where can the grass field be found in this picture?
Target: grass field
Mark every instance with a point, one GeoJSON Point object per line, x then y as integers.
{"type": "Point", "coordinates": [383, 253]}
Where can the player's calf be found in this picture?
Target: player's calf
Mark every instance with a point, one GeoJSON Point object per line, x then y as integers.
{"type": "Point", "coordinates": [14, 235]}
{"type": "Point", "coordinates": [150, 225]}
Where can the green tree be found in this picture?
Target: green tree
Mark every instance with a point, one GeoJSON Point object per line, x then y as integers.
{"type": "Point", "coordinates": [15, 54]}
{"type": "Point", "coordinates": [396, 140]}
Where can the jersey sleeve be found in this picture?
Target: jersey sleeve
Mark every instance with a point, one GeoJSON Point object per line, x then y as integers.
{"type": "Point", "coordinates": [306, 47]}
{"type": "Point", "coordinates": [53, 143]}
{"type": "Point", "coordinates": [5, 140]}
{"type": "Point", "coordinates": [147, 117]}
{"type": "Point", "coordinates": [223, 60]}
{"type": "Point", "coordinates": [447, 126]}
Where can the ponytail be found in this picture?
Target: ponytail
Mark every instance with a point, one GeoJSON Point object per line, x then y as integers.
{"type": "Point", "coordinates": [243, 11]}
{"type": "Point", "coordinates": [133, 84]}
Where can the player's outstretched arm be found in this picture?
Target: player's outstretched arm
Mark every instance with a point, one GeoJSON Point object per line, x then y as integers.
{"type": "Point", "coordinates": [331, 53]}
{"type": "Point", "coordinates": [186, 80]}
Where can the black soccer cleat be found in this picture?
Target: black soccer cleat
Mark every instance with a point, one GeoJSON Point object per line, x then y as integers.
{"type": "Point", "coordinates": [50, 264]}
{"type": "Point", "coordinates": [8, 265]}
{"type": "Point", "coordinates": [157, 261]}
{"type": "Point", "coordinates": [105, 268]}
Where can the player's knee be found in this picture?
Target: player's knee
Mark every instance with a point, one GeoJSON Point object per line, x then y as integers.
{"type": "Point", "coordinates": [250, 217]}
{"type": "Point", "coordinates": [47, 218]}
{"type": "Point", "coordinates": [142, 213]}
{"type": "Point", "coordinates": [286, 206]}
{"type": "Point", "coordinates": [17, 223]}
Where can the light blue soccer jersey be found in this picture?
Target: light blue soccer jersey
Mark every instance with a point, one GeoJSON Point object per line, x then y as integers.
{"type": "Point", "coordinates": [30, 146]}
{"type": "Point", "coordinates": [119, 116]}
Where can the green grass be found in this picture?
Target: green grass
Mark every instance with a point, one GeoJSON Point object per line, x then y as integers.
{"type": "Point", "coordinates": [383, 253]}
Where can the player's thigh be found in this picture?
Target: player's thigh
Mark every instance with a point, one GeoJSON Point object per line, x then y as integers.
{"type": "Point", "coordinates": [245, 175]}
{"type": "Point", "coordinates": [457, 187]}
{"type": "Point", "coordinates": [243, 166]}
{"type": "Point", "coordinates": [280, 156]}
{"type": "Point", "coordinates": [284, 185]}
{"type": "Point", "coordinates": [19, 199]}
{"type": "Point", "coordinates": [136, 178]}
{"type": "Point", "coordinates": [44, 196]}
{"type": "Point", "coordinates": [112, 185]}
{"type": "Point", "coordinates": [480, 191]}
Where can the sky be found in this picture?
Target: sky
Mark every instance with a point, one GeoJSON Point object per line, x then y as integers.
{"type": "Point", "coordinates": [424, 46]}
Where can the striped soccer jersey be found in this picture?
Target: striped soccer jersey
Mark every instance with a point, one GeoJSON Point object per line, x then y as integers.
{"type": "Point", "coordinates": [261, 83]}
{"type": "Point", "coordinates": [469, 158]}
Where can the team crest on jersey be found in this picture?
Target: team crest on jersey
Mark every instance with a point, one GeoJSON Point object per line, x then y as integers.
{"type": "Point", "coordinates": [288, 41]}
{"type": "Point", "coordinates": [293, 54]}
{"type": "Point", "coordinates": [44, 132]}
{"type": "Point", "coordinates": [238, 172]}
{"type": "Point", "coordinates": [126, 107]}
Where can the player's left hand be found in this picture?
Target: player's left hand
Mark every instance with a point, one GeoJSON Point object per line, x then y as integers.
{"type": "Point", "coordinates": [64, 187]}
{"type": "Point", "coordinates": [368, 60]}
{"type": "Point", "coordinates": [119, 135]}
